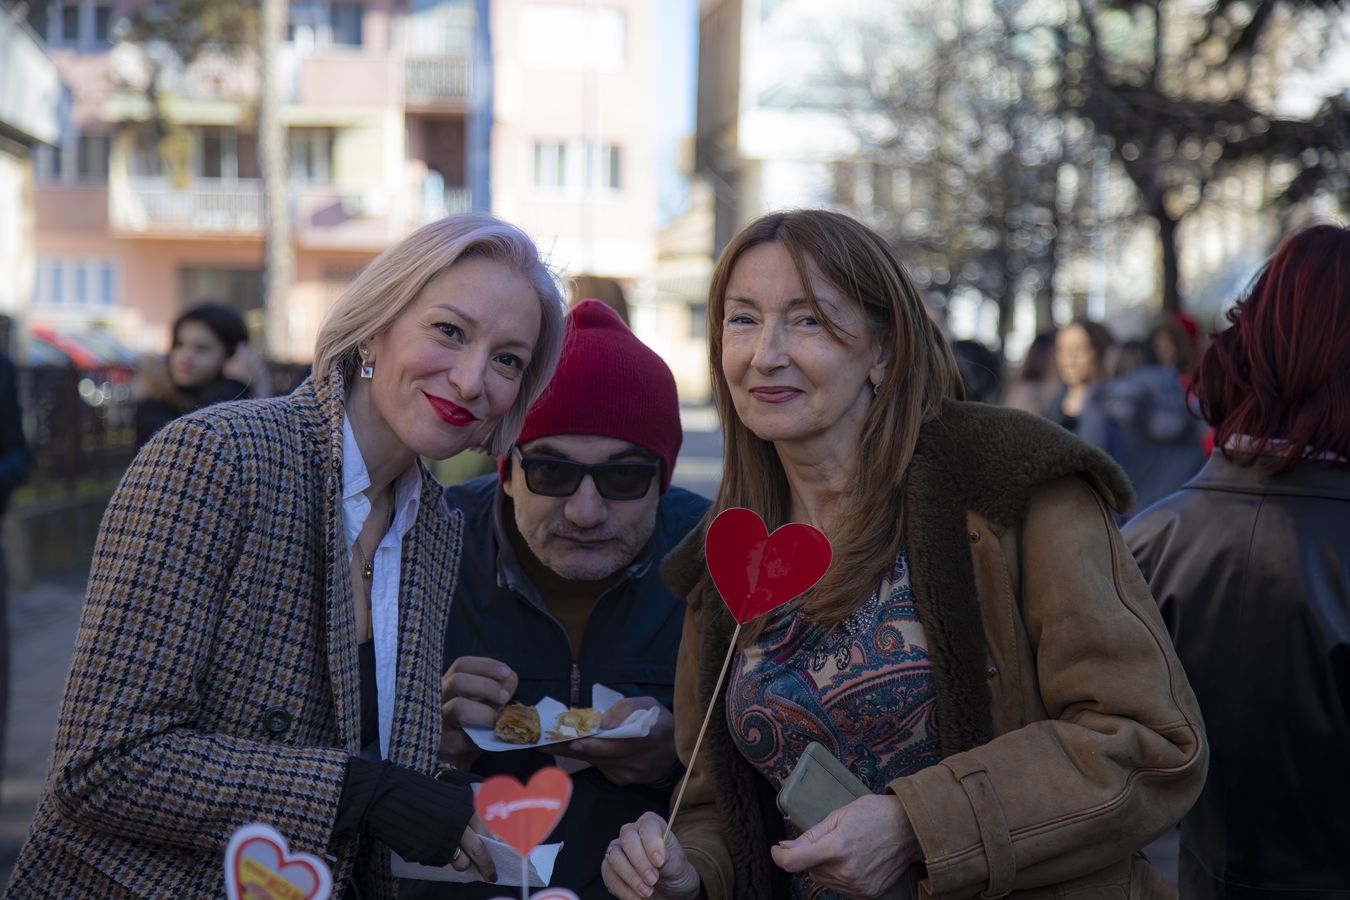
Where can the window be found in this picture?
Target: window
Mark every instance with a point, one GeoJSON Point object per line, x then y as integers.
{"type": "Point", "coordinates": [562, 166]}
{"type": "Point", "coordinates": [550, 164]}
{"type": "Point", "coordinates": [311, 155]}
{"type": "Point", "coordinates": [79, 24]}
{"type": "Point", "coordinates": [325, 23]}
{"type": "Point", "coordinates": [92, 151]}
{"type": "Point", "coordinates": [102, 23]}
{"type": "Point", "coordinates": [70, 25]}
{"type": "Point", "coordinates": [212, 153]}
{"type": "Point", "coordinates": [48, 163]}
{"type": "Point", "coordinates": [609, 167]}
{"type": "Point", "coordinates": [346, 24]}
{"type": "Point", "coordinates": [76, 282]}
{"type": "Point", "coordinates": [80, 158]}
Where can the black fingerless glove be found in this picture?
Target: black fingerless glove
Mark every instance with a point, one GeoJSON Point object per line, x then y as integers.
{"type": "Point", "coordinates": [418, 817]}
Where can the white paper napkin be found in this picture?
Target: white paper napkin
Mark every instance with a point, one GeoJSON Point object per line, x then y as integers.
{"type": "Point", "coordinates": [542, 860]}
{"type": "Point", "coordinates": [639, 724]}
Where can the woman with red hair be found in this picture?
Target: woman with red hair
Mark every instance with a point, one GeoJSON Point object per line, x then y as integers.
{"type": "Point", "coordinates": [1250, 563]}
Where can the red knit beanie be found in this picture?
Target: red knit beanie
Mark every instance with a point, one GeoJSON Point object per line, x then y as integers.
{"type": "Point", "coordinates": [611, 384]}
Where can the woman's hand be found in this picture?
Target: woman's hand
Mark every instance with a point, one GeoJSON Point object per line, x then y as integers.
{"type": "Point", "coordinates": [858, 850]}
{"type": "Point", "coordinates": [639, 865]}
{"type": "Point", "coordinates": [473, 852]}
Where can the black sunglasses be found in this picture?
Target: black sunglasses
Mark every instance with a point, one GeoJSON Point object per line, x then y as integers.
{"type": "Point", "coordinates": [551, 476]}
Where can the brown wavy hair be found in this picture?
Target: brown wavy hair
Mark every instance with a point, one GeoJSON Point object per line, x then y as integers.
{"type": "Point", "coordinates": [868, 532]}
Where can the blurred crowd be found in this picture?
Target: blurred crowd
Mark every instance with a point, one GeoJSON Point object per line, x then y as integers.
{"type": "Point", "coordinates": [1126, 397]}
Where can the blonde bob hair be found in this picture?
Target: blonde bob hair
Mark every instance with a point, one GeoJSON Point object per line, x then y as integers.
{"type": "Point", "coordinates": [392, 282]}
{"type": "Point", "coordinates": [867, 534]}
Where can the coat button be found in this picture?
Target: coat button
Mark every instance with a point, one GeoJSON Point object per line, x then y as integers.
{"type": "Point", "coordinates": [991, 670]}
{"type": "Point", "coordinates": [276, 719]}
{"type": "Point", "coordinates": [974, 537]}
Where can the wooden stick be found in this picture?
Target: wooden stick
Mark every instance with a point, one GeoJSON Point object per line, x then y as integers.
{"type": "Point", "coordinates": [712, 704]}
{"type": "Point", "coordinates": [525, 878]}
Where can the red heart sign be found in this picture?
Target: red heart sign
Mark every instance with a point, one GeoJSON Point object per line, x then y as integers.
{"type": "Point", "coordinates": [756, 571]}
{"type": "Point", "coordinates": [260, 866]}
{"type": "Point", "coordinates": [522, 815]}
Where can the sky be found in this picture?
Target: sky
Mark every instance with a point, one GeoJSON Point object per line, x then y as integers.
{"type": "Point", "coordinates": [675, 59]}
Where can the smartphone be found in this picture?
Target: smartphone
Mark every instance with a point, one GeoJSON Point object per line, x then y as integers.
{"type": "Point", "coordinates": [820, 784]}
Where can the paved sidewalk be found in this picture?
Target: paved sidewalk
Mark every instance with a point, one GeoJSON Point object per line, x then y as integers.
{"type": "Point", "coordinates": [43, 621]}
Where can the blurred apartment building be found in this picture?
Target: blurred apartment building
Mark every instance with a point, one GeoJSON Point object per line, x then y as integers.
{"type": "Point", "coordinates": [397, 112]}
{"type": "Point", "coordinates": [140, 215]}
{"type": "Point", "coordinates": [33, 104]}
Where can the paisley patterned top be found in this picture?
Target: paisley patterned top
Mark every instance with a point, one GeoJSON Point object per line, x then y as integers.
{"type": "Point", "coordinates": [864, 690]}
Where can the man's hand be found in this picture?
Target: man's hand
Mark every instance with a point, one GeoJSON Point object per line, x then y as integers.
{"type": "Point", "coordinates": [859, 850]}
{"type": "Point", "coordinates": [627, 761]}
{"type": "Point", "coordinates": [473, 692]}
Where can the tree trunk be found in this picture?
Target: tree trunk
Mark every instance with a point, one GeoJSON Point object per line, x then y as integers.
{"type": "Point", "coordinates": [278, 256]}
{"type": "Point", "coordinates": [1167, 237]}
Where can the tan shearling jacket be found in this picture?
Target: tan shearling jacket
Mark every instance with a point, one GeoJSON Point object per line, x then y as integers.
{"type": "Point", "coordinates": [1070, 735]}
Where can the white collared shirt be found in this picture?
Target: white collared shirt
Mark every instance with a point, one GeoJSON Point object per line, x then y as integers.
{"type": "Point", "coordinates": [387, 562]}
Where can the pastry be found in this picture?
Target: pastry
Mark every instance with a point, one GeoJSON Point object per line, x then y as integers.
{"type": "Point", "coordinates": [575, 723]}
{"type": "Point", "coordinates": [518, 724]}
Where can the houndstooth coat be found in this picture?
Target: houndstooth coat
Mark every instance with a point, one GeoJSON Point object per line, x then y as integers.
{"type": "Point", "coordinates": [215, 680]}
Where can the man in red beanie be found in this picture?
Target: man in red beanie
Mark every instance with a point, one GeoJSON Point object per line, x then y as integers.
{"type": "Point", "coordinates": [559, 589]}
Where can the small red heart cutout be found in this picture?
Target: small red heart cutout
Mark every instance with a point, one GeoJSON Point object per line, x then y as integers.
{"type": "Point", "coordinates": [260, 866]}
{"type": "Point", "coordinates": [756, 571]}
{"type": "Point", "coordinates": [522, 815]}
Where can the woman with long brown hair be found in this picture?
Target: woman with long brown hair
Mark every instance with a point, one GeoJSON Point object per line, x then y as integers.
{"type": "Point", "coordinates": [982, 654]}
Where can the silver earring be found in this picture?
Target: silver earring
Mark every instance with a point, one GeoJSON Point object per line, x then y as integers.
{"type": "Point", "coordinates": [367, 370]}
{"type": "Point", "coordinates": [876, 388]}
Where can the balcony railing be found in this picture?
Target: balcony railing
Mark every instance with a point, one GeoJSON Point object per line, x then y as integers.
{"type": "Point", "coordinates": [151, 204]}
{"type": "Point", "coordinates": [322, 215]}
{"type": "Point", "coordinates": [438, 79]}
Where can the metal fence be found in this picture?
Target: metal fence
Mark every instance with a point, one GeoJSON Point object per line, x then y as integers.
{"type": "Point", "coordinates": [80, 424]}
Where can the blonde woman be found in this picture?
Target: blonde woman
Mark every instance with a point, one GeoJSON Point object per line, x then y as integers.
{"type": "Point", "coordinates": [982, 654]}
{"type": "Point", "coordinates": [262, 636]}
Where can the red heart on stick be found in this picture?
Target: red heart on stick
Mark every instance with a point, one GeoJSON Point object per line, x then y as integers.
{"type": "Point", "coordinates": [522, 815]}
{"type": "Point", "coordinates": [756, 571]}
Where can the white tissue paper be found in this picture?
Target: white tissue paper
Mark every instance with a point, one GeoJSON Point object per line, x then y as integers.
{"type": "Point", "coordinates": [639, 724]}
{"type": "Point", "coordinates": [542, 859]}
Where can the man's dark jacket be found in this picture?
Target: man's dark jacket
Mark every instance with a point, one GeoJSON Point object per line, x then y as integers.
{"type": "Point", "coordinates": [631, 642]}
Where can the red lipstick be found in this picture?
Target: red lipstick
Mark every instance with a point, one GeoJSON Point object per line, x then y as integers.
{"type": "Point", "coordinates": [452, 413]}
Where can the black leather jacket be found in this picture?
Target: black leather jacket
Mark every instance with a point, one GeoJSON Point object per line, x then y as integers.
{"type": "Point", "coordinates": [1252, 574]}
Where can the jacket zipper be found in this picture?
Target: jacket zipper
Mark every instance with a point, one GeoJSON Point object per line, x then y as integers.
{"type": "Point", "coordinates": [576, 686]}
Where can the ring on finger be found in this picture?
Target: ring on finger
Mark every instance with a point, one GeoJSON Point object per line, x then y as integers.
{"type": "Point", "coordinates": [459, 851]}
